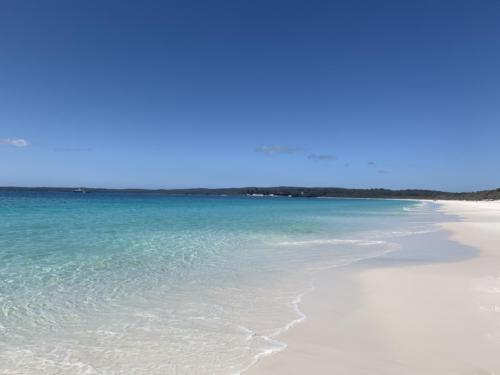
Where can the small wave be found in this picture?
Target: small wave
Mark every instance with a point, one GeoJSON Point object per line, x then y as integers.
{"type": "Point", "coordinates": [419, 206]}
{"type": "Point", "coordinates": [270, 338]}
{"type": "Point", "coordinates": [301, 316]}
{"type": "Point", "coordinates": [330, 241]}
{"type": "Point", "coordinates": [296, 304]}
{"type": "Point", "coordinates": [412, 232]}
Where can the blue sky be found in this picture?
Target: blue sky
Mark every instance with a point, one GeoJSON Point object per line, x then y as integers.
{"type": "Point", "coordinates": [156, 94]}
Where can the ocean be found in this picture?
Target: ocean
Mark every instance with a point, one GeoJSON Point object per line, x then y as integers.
{"type": "Point", "coordinates": [109, 283]}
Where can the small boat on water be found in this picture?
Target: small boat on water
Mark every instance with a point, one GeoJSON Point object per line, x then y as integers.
{"type": "Point", "coordinates": [80, 190]}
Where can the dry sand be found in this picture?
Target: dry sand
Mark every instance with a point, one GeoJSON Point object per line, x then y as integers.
{"type": "Point", "coordinates": [441, 318]}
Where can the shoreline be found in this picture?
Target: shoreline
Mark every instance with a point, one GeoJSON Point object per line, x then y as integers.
{"type": "Point", "coordinates": [393, 315]}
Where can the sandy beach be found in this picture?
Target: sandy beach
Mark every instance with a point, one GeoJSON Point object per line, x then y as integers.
{"type": "Point", "coordinates": [426, 318]}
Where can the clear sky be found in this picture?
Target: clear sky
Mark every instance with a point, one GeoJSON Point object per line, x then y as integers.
{"type": "Point", "coordinates": [153, 94]}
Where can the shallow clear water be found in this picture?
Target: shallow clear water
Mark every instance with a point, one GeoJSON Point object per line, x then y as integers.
{"type": "Point", "coordinates": [147, 284]}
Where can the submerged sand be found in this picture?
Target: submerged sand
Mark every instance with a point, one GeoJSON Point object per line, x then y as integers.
{"type": "Point", "coordinates": [441, 318]}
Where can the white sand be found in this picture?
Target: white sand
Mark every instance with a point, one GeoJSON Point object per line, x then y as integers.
{"type": "Point", "coordinates": [441, 318]}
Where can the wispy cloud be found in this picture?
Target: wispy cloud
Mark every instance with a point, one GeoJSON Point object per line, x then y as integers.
{"type": "Point", "coordinates": [323, 157]}
{"type": "Point", "coordinates": [371, 163]}
{"type": "Point", "coordinates": [383, 171]}
{"type": "Point", "coordinates": [275, 150]}
{"type": "Point", "coordinates": [16, 142]}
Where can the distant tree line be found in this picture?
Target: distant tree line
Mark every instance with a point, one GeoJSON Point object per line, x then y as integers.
{"type": "Point", "coordinates": [289, 191]}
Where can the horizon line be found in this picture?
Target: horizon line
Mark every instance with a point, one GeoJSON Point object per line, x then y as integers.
{"type": "Point", "coordinates": [4, 187]}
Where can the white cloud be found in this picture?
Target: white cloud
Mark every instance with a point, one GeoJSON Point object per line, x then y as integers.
{"type": "Point", "coordinates": [16, 142]}
{"type": "Point", "coordinates": [323, 157]}
{"type": "Point", "coordinates": [273, 150]}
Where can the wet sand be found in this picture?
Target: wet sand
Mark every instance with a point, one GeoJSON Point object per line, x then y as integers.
{"type": "Point", "coordinates": [412, 318]}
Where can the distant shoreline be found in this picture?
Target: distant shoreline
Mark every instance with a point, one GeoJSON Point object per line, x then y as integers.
{"type": "Point", "coordinates": [284, 191]}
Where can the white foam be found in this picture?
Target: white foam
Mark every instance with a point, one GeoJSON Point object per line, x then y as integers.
{"type": "Point", "coordinates": [296, 307]}
{"type": "Point", "coordinates": [270, 338]}
{"type": "Point", "coordinates": [329, 241]}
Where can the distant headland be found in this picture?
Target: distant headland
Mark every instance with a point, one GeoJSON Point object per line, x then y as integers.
{"type": "Point", "coordinates": [285, 191]}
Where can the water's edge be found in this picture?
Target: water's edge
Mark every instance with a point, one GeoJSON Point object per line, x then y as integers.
{"type": "Point", "coordinates": [406, 252]}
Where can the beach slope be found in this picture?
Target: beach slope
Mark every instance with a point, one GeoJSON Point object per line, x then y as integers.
{"type": "Point", "coordinates": [439, 318]}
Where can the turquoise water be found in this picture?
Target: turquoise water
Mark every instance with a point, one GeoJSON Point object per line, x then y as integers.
{"type": "Point", "coordinates": [146, 284]}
